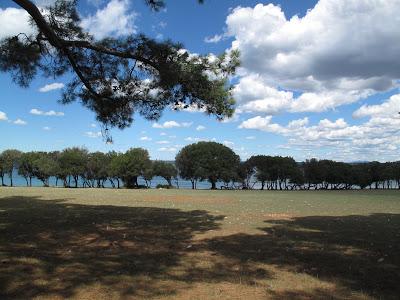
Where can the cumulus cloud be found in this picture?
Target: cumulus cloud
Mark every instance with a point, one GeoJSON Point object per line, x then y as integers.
{"type": "Point", "coordinates": [200, 128]}
{"type": "Point", "coordinates": [375, 139]}
{"type": "Point", "coordinates": [46, 128]}
{"type": "Point", "coordinates": [35, 111]}
{"type": "Point", "coordinates": [145, 138]}
{"type": "Point", "coordinates": [228, 143]}
{"type": "Point", "coordinates": [93, 134]}
{"type": "Point", "coordinates": [168, 149]}
{"type": "Point", "coordinates": [171, 124]}
{"type": "Point", "coordinates": [214, 39]}
{"type": "Point", "coordinates": [332, 56]}
{"type": "Point", "coordinates": [20, 122]}
{"type": "Point", "coordinates": [192, 139]}
{"type": "Point", "coordinates": [115, 19]}
{"type": "Point", "coordinates": [51, 87]}
{"type": "Point", "coordinates": [388, 108]}
{"type": "Point", "coordinates": [162, 142]}
{"type": "Point", "coordinates": [3, 116]}
{"type": "Point", "coordinates": [14, 21]}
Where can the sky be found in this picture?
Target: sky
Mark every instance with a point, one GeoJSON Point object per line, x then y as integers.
{"type": "Point", "coordinates": [317, 79]}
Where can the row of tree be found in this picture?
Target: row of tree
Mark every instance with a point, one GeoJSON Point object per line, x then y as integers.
{"type": "Point", "coordinates": [77, 166]}
{"type": "Point", "coordinates": [203, 161]}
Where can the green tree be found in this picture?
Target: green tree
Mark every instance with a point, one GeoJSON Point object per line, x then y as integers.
{"type": "Point", "coordinates": [208, 161]}
{"type": "Point", "coordinates": [2, 169]}
{"type": "Point", "coordinates": [10, 159]}
{"type": "Point", "coordinates": [148, 175]}
{"type": "Point", "coordinates": [116, 77]}
{"type": "Point", "coordinates": [72, 162]}
{"type": "Point", "coordinates": [116, 167]}
{"type": "Point", "coordinates": [45, 166]}
{"type": "Point", "coordinates": [96, 169]}
{"type": "Point", "coordinates": [135, 162]}
{"type": "Point", "coordinates": [26, 166]}
{"type": "Point", "coordinates": [165, 170]}
{"type": "Point", "coordinates": [186, 162]}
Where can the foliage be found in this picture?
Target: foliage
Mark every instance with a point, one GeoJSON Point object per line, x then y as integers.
{"type": "Point", "coordinates": [117, 77]}
{"type": "Point", "coordinates": [10, 160]}
{"type": "Point", "coordinates": [135, 162]}
{"type": "Point", "coordinates": [208, 161]}
{"type": "Point", "coordinates": [197, 162]}
{"type": "Point", "coordinates": [165, 170]}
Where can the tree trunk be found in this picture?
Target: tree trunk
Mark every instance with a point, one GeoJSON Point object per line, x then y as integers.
{"type": "Point", "coordinates": [112, 183]}
{"type": "Point", "coordinates": [213, 185]}
{"type": "Point", "coordinates": [11, 180]}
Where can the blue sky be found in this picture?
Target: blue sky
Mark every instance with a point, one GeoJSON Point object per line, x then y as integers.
{"type": "Point", "coordinates": [318, 79]}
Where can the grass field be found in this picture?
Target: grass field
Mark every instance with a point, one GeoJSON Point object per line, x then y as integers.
{"type": "Point", "coordinates": [182, 244]}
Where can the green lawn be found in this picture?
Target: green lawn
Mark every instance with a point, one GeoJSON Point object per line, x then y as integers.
{"type": "Point", "coordinates": [182, 244]}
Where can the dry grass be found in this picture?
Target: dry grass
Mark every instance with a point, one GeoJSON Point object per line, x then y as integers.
{"type": "Point", "coordinates": [182, 244]}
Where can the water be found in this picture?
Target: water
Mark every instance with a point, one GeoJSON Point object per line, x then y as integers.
{"type": "Point", "coordinates": [184, 184]}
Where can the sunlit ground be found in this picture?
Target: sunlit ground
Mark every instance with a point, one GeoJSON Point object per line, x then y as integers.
{"type": "Point", "coordinates": [183, 244]}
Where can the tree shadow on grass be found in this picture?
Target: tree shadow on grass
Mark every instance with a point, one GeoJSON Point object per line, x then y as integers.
{"type": "Point", "coordinates": [54, 248]}
{"type": "Point", "coordinates": [361, 253]}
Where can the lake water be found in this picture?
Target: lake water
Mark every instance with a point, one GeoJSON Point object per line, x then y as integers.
{"type": "Point", "coordinates": [185, 184]}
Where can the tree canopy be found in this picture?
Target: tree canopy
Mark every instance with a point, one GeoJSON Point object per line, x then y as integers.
{"type": "Point", "coordinates": [117, 77]}
{"type": "Point", "coordinates": [203, 161]}
{"type": "Point", "coordinates": [208, 161]}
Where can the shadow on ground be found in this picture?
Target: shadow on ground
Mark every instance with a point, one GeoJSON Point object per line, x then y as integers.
{"type": "Point", "coordinates": [361, 253]}
{"type": "Point", "coordinates": [53, 248]}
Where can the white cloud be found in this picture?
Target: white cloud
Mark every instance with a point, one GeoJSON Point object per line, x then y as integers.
{"type": "Point", "coordinates": [214, 39]}
{"type": "Point", "coordinates": [163, 134]}
{"type": "Point", "coordinates": [113, 20]}
{"type": "Point", "coordinates": [332, 56]}
{"type": "Point", "coordinates": [145, 138]}
{"type": "Point", "coordinates": [35, 111]}
{"type": "Point", "coordinates": [228, 143]}
{"type": "Point", "coordinates": [171, 124]}
{"type": "Point", "coordinates": [47, 128]}
{"type": "Point", "coordinates": [374, 139]}
{"type": "Point", "coordinates": [14, 21]}
{"type": "Point", "coordinates": [168, 149]}
{"type": "Point", "coordinates": [51, 87]}
{"type": "Point", "coordinates": [93, 125]}
{"type": "Point", "coordinates": [192, 139]}
{"type": "Point", "coordinates": [251, 137]}
{"type": "Point", "coordinates": [20, 122]}
{"type": "Point", "coordinates": [166, 124]}
{"type": "Point", "coordinates": [390, 107]}
{"type": "Point", "coordinates": [162, 142]}
{"type": "Point", "coordinates": [3, 116]}
{"type": "Point", "coordinates": [186, 124]}
{"type": "Point", "coordinates": [93, 134]}
{"type": "Point", "coordinates": [200, 128]}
